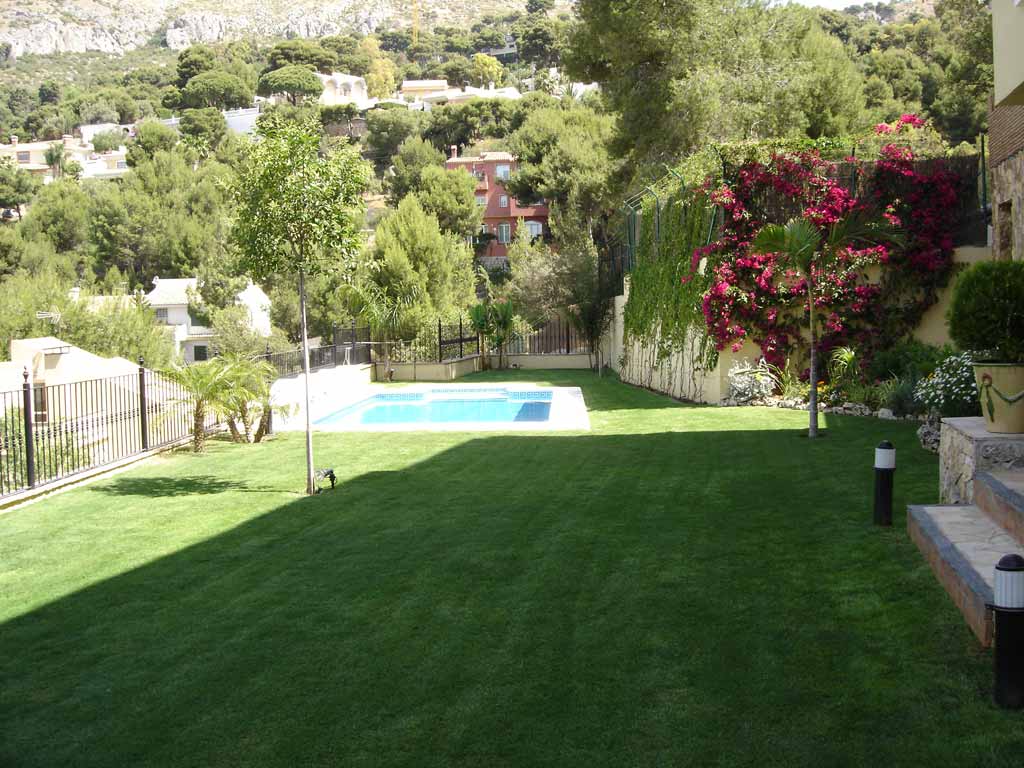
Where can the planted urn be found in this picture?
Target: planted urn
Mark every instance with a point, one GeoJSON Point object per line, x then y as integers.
{"type": "Point", "coordinates": [987, 318]}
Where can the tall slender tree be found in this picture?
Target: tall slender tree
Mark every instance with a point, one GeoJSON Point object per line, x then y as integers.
{"type": "Point", "coordinates": [299, 213]}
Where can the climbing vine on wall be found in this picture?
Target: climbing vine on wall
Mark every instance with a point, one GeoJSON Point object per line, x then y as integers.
{"type": "Point", "coordinates": [665, 292]}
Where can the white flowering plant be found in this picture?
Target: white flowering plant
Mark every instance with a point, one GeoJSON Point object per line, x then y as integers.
{"type": "Point", "coordinates": [950, 390]}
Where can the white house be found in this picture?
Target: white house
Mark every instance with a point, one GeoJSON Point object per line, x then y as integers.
{"type": "Point", "coordinates": [170, 298]}
{"type": "Point", "coordinates": [460, 95]}
{"type": "Point", "coordinates": [340, 88]}
{"type": "Point", "coordinates": [31, 156]}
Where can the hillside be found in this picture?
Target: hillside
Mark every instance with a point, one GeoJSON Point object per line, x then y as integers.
{"type": "Point", "coordinates": [113, 26]}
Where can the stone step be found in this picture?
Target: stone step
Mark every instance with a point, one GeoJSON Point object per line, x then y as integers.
{"type": "Point", "coordinates": [963, 544]}
{"type": "Point", "coordinates": [999, 493]}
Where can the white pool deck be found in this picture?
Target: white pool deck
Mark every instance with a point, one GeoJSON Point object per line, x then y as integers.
{"type": "Point", "coordinates": [568, 410]}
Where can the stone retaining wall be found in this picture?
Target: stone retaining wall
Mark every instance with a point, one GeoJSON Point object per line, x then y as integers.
{"type": "Point", "coordinates": [967, 448]}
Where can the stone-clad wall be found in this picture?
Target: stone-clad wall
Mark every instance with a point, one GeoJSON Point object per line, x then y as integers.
{"type": "Point", "coordinates": [1008, 195]}
{"type": "Point", "coordinates": [967, 448]}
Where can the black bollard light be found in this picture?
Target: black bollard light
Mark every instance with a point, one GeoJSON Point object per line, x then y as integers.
{"type": "Point", "coordinates": [1008, 606]}
{"type": "Point", "coordinates": [885, 468]}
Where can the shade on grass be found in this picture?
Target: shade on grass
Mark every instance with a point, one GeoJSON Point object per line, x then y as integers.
{"type": "Point", "coordinates": [679, 586]}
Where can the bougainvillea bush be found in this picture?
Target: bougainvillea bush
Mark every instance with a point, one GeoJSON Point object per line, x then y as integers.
{"type": "Point", "coordinates": [868, 298]}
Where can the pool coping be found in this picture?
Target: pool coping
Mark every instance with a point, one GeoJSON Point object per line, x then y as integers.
{"type": "Point", "coordinates": [567, 406]}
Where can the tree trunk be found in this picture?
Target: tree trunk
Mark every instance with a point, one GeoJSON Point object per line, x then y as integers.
{"type": "Point", "coordinates": [261, 429]}
{"type": "Point", "coordinates": [812, 405]}
{"type": "Point", "coordinates": [310, 483]}
{"type": "Point", "coordinates": [199, 427]}
{"type": "Point", "coordinates": [236, 436]}
{"type": "Point", "coordinates": [246, 417]}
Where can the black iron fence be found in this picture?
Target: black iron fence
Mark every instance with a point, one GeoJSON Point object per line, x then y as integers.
{"type": "Point", "coordinates": [48, 433]}
{"type": "Point", "coordinates": [556, 337]}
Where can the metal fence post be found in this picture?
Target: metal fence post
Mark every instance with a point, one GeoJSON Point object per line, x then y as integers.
{"type": "Point", "coordinates": [352, 357]}
{"type": "Point", "coordinates": [143, 416]}
{"type": "Point", "coordinates": [439, 355]}
{"type": "Point", "coordinates": [30, 449]}
{"type": "Point", "coordinates": [568, 328]}
{"type": "Point", "coordinates": [460, 338]}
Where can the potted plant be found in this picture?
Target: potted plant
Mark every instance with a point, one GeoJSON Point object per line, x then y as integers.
{"type": "Point", "coordinates": [987, 318]}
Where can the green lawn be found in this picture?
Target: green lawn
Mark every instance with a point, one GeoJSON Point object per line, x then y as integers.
{"type": "Point", "coordinates": [681, 586]}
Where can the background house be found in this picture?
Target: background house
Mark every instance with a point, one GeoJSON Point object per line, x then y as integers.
{"type": "Point", "coordinates": [170, 300]}
{"type": "Point", "coordinates": [345, 89]}
{"type": "Point", "coordinates": [31, 156]}
{"type": "Point", "coordinates": [502, 211]}
{"type": "Point", "coordinates": [1006, 130]}
{"type": "Point", "coordinates": [51, 363]}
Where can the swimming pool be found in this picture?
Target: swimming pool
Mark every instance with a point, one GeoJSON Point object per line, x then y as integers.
{"type": "Point", "coordinates": [463, 407]}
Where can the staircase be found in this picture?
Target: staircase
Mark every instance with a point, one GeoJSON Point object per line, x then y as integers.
{"type": "Point", "coordinates": [963, 542]}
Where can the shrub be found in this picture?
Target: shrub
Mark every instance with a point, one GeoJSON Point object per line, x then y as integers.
{"type": "Point", "coordinates": [950, 390]}
{"type": "Point", "coordinates": [987, 313]}
{"type": "Point", "coordinates": [897, 394]}
{"type": "Point", "coordinates": [910, 358]}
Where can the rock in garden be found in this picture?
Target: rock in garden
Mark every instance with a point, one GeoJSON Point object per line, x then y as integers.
{"type": "Point", "coordinates": [929, 434]}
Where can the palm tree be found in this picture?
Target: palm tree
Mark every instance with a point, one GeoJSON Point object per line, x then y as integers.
{"type": "Point", "coordinates": [384, 313]}
{"type": "Point", "coordinates": [482, 320]}
{"type": "Point", "coordinates": [206, 387]}
{"type": "Point", "coordinates": [503, 319]}
{"type": "Point", "coordinates": [248, 395]}
{"type": "Point", "coordinates": [55, 158]}
{"type": "Point", "coordinates": [807, 249]}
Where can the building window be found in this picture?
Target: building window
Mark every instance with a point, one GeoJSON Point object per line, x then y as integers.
{"type": "Point", "coordinates": [536, 228]}
{"type": "Point", "coordinates": [481, 199]}
{"type": "Point", "coordinates": [504, 233]}
{"type": "Point", "coordinates": [24, 157]}
{"type": "Point", "coordinates": [503, 201]}
{"type": "Point", "coordinates": [502, 172]}
{"type": "Point", "coordinates": [122, 164]}
{"type": "Point", "coordinates": [39, 403]}
{"type": "Point", "coordinates": [161, 316]}
{"type": "Point", "coordinates": [200, 353]}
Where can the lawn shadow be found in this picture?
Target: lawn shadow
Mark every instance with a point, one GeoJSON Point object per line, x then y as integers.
{"type": "Point", "coordinates": [191, 485]}
{"type": "Point", "coordinates": [510, 601]}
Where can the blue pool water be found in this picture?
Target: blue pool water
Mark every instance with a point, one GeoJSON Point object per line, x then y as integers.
{"type": "Point", "coordinates": [446, 406]}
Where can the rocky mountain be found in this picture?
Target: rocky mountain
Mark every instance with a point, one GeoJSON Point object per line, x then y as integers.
{"type": "Point", "coordinates": [116, 26]}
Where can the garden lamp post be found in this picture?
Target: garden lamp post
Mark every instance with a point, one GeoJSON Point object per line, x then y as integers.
{"type": "Point", "coordinates": [1008, 606]}
{"type": "Point", "coordinates": [885, 468]}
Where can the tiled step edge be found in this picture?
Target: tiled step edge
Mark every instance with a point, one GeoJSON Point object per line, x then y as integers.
{"type": "Point", "coordinates": [1002, 504]}
{"type": "Point", "coordinates": [968, 589]}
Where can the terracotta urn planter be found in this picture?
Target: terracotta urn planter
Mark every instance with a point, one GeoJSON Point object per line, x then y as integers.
{"type": "Point", "coordinates": [1001, 390]}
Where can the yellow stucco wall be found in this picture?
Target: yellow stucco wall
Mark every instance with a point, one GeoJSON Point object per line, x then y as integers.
{"type": "Point", "coordinates": [1008, 51]}
{"type": "Point", "coordinates": [932, 328]}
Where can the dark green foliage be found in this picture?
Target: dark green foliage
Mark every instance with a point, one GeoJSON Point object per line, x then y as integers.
{"type": "Point", "coordinates": [151, 137]}
{"type": "Point", "coordinates": [301, 52]}
{"type": "Point", "coordinates": [414, 156]}
{"type": "Point", "coordinates": [911, 359]}
{"type": "Point", "coordinates": [108, 141]}
{"type": "Point", "coordinates": [296, 81]}
{"type": "Point", "coordinates": [987, 312]}
{"type": "Point", "coordinates": [216, 88]}
{"type": "Point", "coordinates": [207, 124]}
{"type": "Point", "coordinates": [386, 129]}
{"type": "Point", "coordinates": [450, 196]}
{"type": "Point", "coordinates": [193, 61]}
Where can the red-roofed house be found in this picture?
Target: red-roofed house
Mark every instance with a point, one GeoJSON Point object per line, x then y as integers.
{"type": "Point", "coordinates": [501, 210]}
